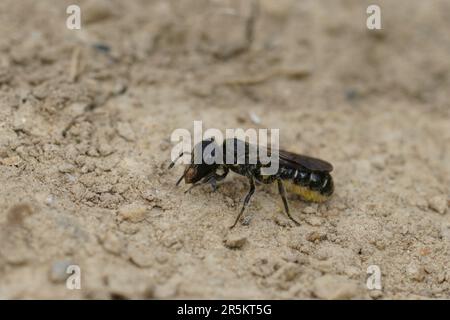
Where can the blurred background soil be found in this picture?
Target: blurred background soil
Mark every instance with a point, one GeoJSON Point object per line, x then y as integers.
{"type": "Point", "coordinates": [85, 123]}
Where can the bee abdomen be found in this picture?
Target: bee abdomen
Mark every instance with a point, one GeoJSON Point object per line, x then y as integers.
{"type": "Point", "coordinates": [322, 182]}
{"type": "Point", "coordinates": [311, 186]}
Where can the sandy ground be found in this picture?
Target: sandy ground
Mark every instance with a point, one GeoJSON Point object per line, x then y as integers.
{"type": "Point", "coordinates": [85, 121]}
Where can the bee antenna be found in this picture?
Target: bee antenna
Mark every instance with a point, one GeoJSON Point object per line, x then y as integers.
{"type": "Point", "coordinates": [181, 178]}
{"type": "Point", "coordinates": [172, 163]}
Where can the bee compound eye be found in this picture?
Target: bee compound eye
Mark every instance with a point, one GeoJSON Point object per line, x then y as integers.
{"type": "Point", "coordinates": [191, 172]}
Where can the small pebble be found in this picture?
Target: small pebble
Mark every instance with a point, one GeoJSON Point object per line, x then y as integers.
{"type": "Point", "coordinates": [280, 220]}
{"type": "Point", "coordinates": [314, 221]}
{"type": "Point", "coordinates": [441, 277]}
{"type": "Point", "coordinates": [316, 236]}
{"type": "Point", "coordinates": [376, 294]}
{"type": "Point", "coordinates": [334, 287]}
{"type": "Point", "coordinates": [125, 131]}
{"type": "Point", "coordinates": [415, 272]}
{"type": "Point", "coordinates": [235, 242]}
{"type": "Point", "coordinates": [66, 168]}
{"type": "Point", "coordinates": [149, 195]}
{"type": "Point", "coordinates": [309, 210]}
{"type": "Point", "coordinates": [105, 149]}
{"type": "Point", "coordinates": [438, 204]}
{"type": "Point", "coordinates": [172, 241]}
{"type": "Point", "coordinates": [132, 212]}
{"type": "Point", "coordinates": [11, 161]}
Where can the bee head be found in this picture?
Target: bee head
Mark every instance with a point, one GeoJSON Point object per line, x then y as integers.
{"type": "Point", "coordinates": [205, 152]}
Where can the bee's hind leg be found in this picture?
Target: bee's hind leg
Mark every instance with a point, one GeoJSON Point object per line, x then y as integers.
{"type": "Point", "coordinates": [285, 203]}
{"type": "Point", "coordinates": [246, 200]}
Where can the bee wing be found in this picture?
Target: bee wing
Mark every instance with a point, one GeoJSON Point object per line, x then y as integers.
{"type": "Point", "coordinates": [310, 163]}
{"type": "Point", "coordinates": [292, 159]}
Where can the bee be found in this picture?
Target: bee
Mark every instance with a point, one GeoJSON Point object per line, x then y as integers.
{"type": "Point", "coordinates": [305, 176]}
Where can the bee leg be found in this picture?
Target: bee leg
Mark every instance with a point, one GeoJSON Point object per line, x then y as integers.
{"type": "Point", "coordinates": [193, 186]}
{"type": "Point", "coordinates": [246, 200]}
{"type": "Point", "coordinates": [207, 179]}
{"type": "Point", "coordinates": [213, 183]}
{"type": "Point", "coordinates": [285, 203]}
{"type": "Point", "coordinates": [218, 177]}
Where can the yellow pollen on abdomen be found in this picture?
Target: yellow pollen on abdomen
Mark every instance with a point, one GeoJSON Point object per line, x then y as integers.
{"type": "Point", "coordinates": [305, 193]}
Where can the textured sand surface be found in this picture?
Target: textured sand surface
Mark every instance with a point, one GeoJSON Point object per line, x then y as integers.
{"type": "Point", "coordinates": [84, 147]}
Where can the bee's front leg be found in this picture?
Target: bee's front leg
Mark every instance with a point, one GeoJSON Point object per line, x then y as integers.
{"type": "Point", "coordinates": [218, 177]}
{"type": "Point", "coordinates": [246, 200]}
{"type": "Point", "coordinates": [213, 183]}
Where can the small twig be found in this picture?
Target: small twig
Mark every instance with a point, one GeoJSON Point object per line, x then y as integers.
{"type": "Point", "coordinates": [75, 64]}
{"type": "Point", "coordinates": [297, 74]}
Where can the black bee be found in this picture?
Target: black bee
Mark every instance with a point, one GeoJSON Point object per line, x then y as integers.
{"type": "Point", "coordinates": [305, 176]}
